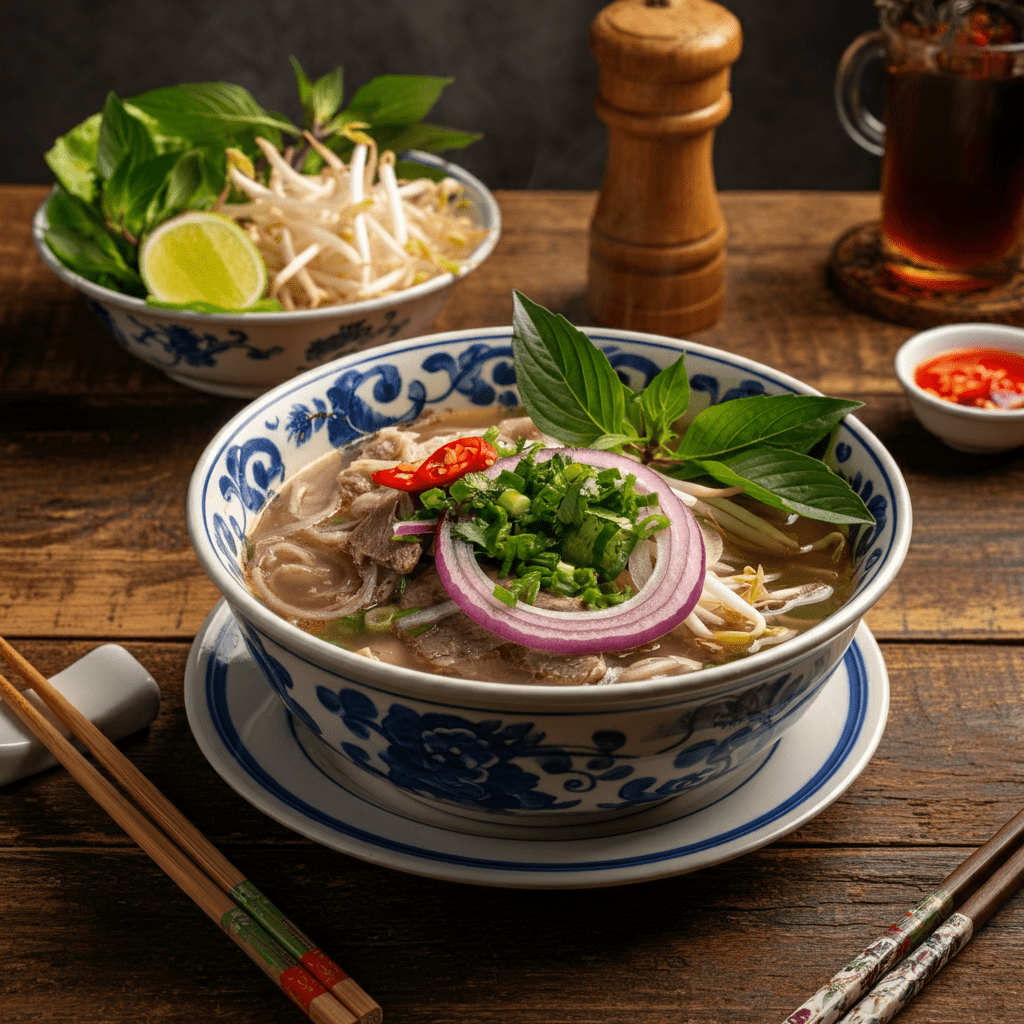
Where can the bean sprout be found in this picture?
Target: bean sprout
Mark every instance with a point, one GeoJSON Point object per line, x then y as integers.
{"type": "Point", "coordinates": [341, 236]}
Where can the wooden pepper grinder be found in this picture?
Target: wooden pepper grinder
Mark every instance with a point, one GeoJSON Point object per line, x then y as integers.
{"type": "Point", "coordinates": [657, 239]}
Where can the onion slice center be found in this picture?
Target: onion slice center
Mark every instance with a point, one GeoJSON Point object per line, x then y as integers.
{"type": "Point", "coordinates": [663, 600]}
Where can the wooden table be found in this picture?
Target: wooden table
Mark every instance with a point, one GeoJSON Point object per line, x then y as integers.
{"type": "Point", "coordinates": [96, 450]}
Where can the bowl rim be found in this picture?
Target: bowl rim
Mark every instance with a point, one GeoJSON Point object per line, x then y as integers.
{"type": "Point", "coordinates": [321, 654]}
{"type": "Point", "coordinates": [490, 215]}
{"type": "Point", "coordinates": [948, 338]}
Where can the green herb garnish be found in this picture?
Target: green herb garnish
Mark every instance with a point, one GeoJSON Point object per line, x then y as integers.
{"type": "Point", "coordinates": [761, 443]}
{"type": "Point", "coordinates": [555, 525]}
{"type": "Point", "coordinates": [125, 170]}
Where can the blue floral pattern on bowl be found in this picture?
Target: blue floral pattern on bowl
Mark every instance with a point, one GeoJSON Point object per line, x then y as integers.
{"type": "Point", "coordinates": [493, 764]}
{"type": "Point", "coordinates": [173, 343]}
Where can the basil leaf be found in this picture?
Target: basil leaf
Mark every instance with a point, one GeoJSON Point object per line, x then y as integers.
{"type": "Point", "coordinates": [209, 112]}
{"type": "Point", "coordinates": [664, 400]}
{"type": "Point", "coordinates": [790, 481]}
{"type": "Point", "coordinates": [120, 136]}
{"type": "Point", "coordinates": [796, 422]}
{"type": "Point", "coordinates": [129, 194]}
{"type": "Point", "coordinates": [72, 158]}
{"type": "Point", "coordinates": [395, 101]}
{"type": "Point", "coordinates": [64, 209]}
{"type": "Point", "coordinates": [191, 182]}
{"type": "Point", "coordinates": [410, 169]}
{"type": "Point", "coordinates": [94, 261]}
{"type": "Point", "coordinates": [305, 93]}
{"type": "Point", "coordinates": [609, 442]}
{"type": "Point", "coordinates": [327, 93]}
{"type": "Point", "coordinates": [430, 138]}
{"type": "Point", "coordinates": [565, 381]}
{"type": "Point", "coordinates": [320, 100]}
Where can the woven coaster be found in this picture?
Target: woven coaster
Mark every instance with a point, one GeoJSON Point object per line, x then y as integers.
{"type": "Point", "coordinates": [856, 271]}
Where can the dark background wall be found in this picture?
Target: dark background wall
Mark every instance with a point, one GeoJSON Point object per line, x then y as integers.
{"type": "Point", "coordinates": [523, 75]}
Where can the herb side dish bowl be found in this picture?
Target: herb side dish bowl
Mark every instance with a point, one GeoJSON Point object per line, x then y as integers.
{"type": "Point", "coordinates": [964, 428]}
{"type": "Point", "coordinates": [242, 355]}
{"type": "Point", "coordinates": [539, 755]}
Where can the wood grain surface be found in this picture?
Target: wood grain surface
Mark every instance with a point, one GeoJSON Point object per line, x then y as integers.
{"type": "Point", "coordinates": [96, 450]}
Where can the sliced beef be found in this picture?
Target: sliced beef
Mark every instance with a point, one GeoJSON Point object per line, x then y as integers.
{"type": "Point", "coordinates": [424, 589]}
{"type": "Point", "coordinates": [382, 450]}
{"type": "Point", "coordinates": [373, 540]}
{"type": "Point", "coordinates": [556, 669]}
{"type": "Point", "coordinates": [390, 445]}
{"type": "Point", "coordinates": [457, 646]}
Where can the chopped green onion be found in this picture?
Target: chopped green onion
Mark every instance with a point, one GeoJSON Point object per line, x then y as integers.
{"type": "Point", "coordinates": [381, 618]}
{"type": "Point", "coordinates": [559, 525]}
{"type": "Point", "coordinates": [514, 502]}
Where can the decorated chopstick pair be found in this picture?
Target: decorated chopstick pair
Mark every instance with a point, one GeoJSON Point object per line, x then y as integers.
{"type": "Point", "coordinates": [885, 976]}
{"type": "Point", "coordinates": [310, 978]}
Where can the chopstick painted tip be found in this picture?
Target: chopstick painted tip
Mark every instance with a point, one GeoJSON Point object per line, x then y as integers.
{"type": "Point", "coordinates": [844, 989]}
{"type": "Point", "coordinates": [305, 991]}
{"type": "Point", "coordinates": [300, 946]}
{"type": "Point", "coordinates": [837, 995]}
{"type": "Point", "coordinates": [901, 984]}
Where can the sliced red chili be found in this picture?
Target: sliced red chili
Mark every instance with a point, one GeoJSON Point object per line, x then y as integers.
{"type": "Point", "coordinates": [455, 459]}
{"type": "Point", "coordinates": [400, 477]}
{"type": "Point", "coordinates": [451, 461]}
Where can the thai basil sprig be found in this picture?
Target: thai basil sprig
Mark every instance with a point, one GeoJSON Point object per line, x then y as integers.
{"type": "Point", "coordinates": [761, 443]}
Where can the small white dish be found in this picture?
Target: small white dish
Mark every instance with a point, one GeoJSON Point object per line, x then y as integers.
{"type": "Point", "coordinates": [961, 427]}
{"type": "Point", "coordinates": [277, 765]}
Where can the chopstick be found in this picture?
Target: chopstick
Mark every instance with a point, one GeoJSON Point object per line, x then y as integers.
{"type": "Point", "coordinates": [269, 938]}
{"type": "Point", "coordinates": [857, 978]}
{"type": "Point", "coordinates": [904, 982]}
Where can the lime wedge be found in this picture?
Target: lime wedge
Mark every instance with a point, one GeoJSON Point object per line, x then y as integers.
{"type": "Point", "coordinates": [202, 257]}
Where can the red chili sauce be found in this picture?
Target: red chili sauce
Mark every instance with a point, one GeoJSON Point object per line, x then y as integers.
{"type": "Point", "coordinates": [968, 376]}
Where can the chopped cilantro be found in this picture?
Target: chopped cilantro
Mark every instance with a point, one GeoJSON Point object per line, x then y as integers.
{"type": "Point", "coordinates": [557, 525]}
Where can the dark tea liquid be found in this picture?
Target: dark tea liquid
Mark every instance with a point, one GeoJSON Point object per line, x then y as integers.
{"type": "Point", "coordinates": [953, 178]}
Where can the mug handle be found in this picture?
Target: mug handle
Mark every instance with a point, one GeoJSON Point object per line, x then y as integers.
{"type": "Point", "coordinates": [861, 125]}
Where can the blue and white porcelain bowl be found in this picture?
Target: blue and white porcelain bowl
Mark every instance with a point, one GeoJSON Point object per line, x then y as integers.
{"type": "Point", "coordinates": [542, 755]}
{"type": "Point", "coordinates": [242, 355]}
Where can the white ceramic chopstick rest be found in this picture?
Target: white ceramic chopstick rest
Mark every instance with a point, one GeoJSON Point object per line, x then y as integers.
{"type": "Point", "coordinates": [108, 686]}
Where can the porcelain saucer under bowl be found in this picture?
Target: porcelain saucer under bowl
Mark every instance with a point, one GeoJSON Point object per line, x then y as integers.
{"type": "Point", "coordinates": [269, 758]}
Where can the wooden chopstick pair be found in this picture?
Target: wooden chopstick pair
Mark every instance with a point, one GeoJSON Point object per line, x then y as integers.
{"type": "Point", "coordinates": [317, 985]}
{"type": "Point", "coordinates": [882, 979]}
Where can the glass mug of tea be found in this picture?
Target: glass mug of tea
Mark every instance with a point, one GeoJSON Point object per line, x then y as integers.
{"type": "Point", "coordinates": [952, 141]}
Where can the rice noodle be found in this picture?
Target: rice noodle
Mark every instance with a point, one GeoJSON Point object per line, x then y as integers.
{"type": "Point", "coordinates": [426, 616]}
{"type": "Point", "coordinates": [260, 575]}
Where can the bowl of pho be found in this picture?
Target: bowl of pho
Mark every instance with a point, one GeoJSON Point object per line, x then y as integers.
{"type": "Point", "coordinates": [232, 249]}
{"type": "Point", "coordinates": [542, 573]}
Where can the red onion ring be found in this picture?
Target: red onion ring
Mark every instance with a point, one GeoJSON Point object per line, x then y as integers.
{"type": "Point", "coordinates": [410, 527]}
{"type": "Point", "coordinates": [663, 601]}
